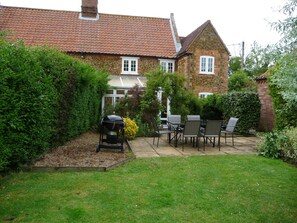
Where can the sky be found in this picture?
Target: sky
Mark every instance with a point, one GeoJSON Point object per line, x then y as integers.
{"type": "Point", "coordinates": [236, 21]}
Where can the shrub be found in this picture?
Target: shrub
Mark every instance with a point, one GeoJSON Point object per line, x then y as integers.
{"type": "Point", "coordinates": [288, 145]}
{"type": "Point", "coordinates": [130, 129]}
{"type": "Point", "coordinates": [280, 144]}
{"type": "Point", "coordinates": [245, 106]}
{"type": "Point", "coordinates": [239, 81]}
{"type": "Point", "coordinates": [269, 146]}
{"type": "Point", "coordinates": [212, 107]}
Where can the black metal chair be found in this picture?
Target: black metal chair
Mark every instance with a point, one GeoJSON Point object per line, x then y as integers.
{"type": "Point", "coordinates": [211, 132]}
{"type": "Point", "coordinates": [191, 130]}
{"type": "Point", "coordinates": [230, 129]}
{"type": "Point", "coordinates": [158, 132]}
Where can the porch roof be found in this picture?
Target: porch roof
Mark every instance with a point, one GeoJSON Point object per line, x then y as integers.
{"type": "Point", "coordinates": [127, 82]}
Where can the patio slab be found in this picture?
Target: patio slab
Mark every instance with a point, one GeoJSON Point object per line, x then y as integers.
{"type": "Point", "coordinates": [143, 147]}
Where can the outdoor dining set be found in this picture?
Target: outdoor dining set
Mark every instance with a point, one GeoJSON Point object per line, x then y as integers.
{"type": "Point", "coordinates": [194, 128]}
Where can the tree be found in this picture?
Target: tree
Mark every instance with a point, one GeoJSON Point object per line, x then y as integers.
{"type": "Point", "coordinates": [240, 81]}
{"type": "Point", "coordinates": [234, 64]}
{"type": "Point", "coordinates": [288, 27]}
{"type": "Point", "coordinates": [282, 80]}
{"type": "Point", "coordinates": [260, 59]}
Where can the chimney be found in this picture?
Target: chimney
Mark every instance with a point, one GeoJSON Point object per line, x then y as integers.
{"type": "Point", "coordinates": [89, 9]}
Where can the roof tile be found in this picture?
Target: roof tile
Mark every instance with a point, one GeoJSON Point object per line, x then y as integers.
{"type": "Point", "coordinates": [111, 34]}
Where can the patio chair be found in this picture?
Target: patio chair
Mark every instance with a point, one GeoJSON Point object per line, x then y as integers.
{"type": "Point", "coordinates": [158, 132]}
{"type": "Point", "coordinates": [173, 119]}
{"type": "Point", "coordinates": [211, 132]}
{"type": "Point", "coordinates": [176, 128]}
{"type": "Point", "coordinates": [230, 129]}
{"type": "Point", "coordinates": [191, 130]}
{"type": "Point", "coordinates": [193, 117]}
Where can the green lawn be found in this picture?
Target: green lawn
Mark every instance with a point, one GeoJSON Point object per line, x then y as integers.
{"type": "Point", "coordinates": [231, 188]}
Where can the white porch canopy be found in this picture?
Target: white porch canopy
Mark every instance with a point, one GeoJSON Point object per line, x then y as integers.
{"type": "Point", "coordinates": [126, 82]}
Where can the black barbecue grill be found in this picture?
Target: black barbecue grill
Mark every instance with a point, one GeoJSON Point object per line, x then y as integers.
{"type": "Point", "coordinates": [112, 134]}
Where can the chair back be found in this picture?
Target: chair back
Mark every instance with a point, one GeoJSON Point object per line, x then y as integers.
{"type": "Point", "coordinates": [173, 119]}
{"type": "Point", "coordinates": [191, 127]}
{"type": "Point", "coordinates": [231, 124]}
{"type": "Point", "coordinates": [155, 125]}
{"type": "Point", "coordinates": [193, 117]}
{"type": "Point", "coordinates": [213, 127]}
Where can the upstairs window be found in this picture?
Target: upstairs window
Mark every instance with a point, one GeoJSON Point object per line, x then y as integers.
{"type": "Point", "coordinates": [167, 65]}
{"type": "Point", "coordinates": [206, 65]}
{"type": "Point", "coordinates": [129, 65]}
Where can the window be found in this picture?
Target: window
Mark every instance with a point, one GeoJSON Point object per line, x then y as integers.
{"type": "Point", "coordinates": [206, 65]}
{"type": "Point", "coordinates": [129, 65]}
{"type": "Point", "coordinates": [204, 94]}
{"type": "Point", "coordinates": [167, 65]}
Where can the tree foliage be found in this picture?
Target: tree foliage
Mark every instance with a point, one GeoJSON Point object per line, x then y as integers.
{"type": "Point", "coordinates": [240, 81]}
{"type": "Point", "coordinates": [260, 59]}
{"type": "Point", "coordinates": [288, 27]}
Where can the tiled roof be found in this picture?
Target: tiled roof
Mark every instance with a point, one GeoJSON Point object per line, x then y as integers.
{"type": "Point", "coordinates": [111, 34]}
{"type": "Point", "coordinates": [188, 40]}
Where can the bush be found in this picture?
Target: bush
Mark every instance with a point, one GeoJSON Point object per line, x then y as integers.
{"type": "Point", "coordinates": [239, 81]}
{"type": "Point", "coordinates": [212, 107]}
{"type": "Point", "coordinates": [280, 145]}
{"type": "Point", "coordinates": [245, 106]}
{"type": "Point", "coordinates": [131, 128]}
{"type": "Point", "coordinates": [46, 98]}
{"type": "Point", "coordinates": [269, 146]}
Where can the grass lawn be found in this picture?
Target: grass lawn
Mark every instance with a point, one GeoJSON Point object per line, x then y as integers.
{"type": "Point", "coordinates": [231, 188]}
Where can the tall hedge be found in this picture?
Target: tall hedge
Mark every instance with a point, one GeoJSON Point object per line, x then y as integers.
{"type": "Point", "coordinates": [245, 106]}
{"type": "Point", "coordinates": [46, 98]}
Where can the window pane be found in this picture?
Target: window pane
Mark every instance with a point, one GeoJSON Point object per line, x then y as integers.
{"type": "Point", "coordinates": [210, 65]}
{"type": "Point", "coordinates": [163, 66]}
{"type": "Point", "coordinates": [133, 65]}
{"type": "Point", "coordinates": [203, 64]}
{"type": "Point", "coordinates": [170, 67]}
{"type": "Point", "coordinates": [126, 65]}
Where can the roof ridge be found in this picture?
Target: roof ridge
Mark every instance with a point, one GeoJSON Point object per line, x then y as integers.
{"type": "Point", "coordinates": [58, 10]}
{"type": "Point", "coordinates": [37, 9]}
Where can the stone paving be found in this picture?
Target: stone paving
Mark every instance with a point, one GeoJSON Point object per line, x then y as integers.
{"type": "Point", "coordinates": [143, 147]}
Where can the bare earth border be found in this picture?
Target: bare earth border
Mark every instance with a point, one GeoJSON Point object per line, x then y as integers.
{"type": "Point", "coordinates": [80, 155]}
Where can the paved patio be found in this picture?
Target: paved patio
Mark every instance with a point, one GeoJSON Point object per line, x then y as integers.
{"type": "Point", "coordinates": [143, 147]}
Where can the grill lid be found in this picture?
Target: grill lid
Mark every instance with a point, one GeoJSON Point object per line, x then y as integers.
{"type": "Point", "coordinates": [113, 122]}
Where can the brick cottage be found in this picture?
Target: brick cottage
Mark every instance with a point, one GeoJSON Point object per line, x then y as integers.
{"type": "Point", "coordinates": [127, 47]}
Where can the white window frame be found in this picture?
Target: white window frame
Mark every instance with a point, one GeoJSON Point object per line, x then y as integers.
{"type": "Point", "coordinates": [165, 65]}
{"type": "Point", "coordinates": [205, 66]}
{"type": "Point", "coordinates": [130, 61]}
{"type": "Point", "coordinates": [204, 94]}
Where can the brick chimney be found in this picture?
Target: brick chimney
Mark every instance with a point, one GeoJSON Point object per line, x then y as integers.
{"type": "Point", "coordinates": [89, 9]}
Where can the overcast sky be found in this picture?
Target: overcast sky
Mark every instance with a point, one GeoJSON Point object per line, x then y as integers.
{"type": "Point", "coordinates": [235, 20]}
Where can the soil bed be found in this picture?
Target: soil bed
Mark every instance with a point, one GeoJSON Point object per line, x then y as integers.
{"type": "Point", "coordinates": [81, 152]}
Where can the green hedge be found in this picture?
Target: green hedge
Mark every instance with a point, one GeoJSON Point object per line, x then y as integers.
{"type": "Point", "coordinates": [245, 106]}
{"type": "Point", "coordinates": [46, 98]}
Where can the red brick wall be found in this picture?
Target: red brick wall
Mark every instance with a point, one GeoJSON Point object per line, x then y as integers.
{"type": "Point", "coordinates": [208, 44]}
{"type": "Point", "coordinates": [267, 114]}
